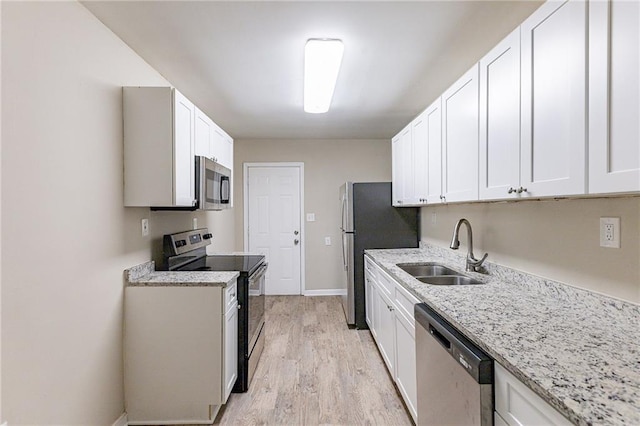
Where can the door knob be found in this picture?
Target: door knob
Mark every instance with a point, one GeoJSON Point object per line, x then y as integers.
{"type": "Point", "coordinates": [295, 232]}
{"type": "Point", "coordinates": [296, 241]}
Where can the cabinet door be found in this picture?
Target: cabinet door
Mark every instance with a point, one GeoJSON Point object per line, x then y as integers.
{"type": "Point", "coordinates": [500, 120]}
{"type": "Point", "coordinates": [420, 140]}
{"type": "Point", "coordinates": [405, 350]}
{"type": "Point", "coordinates": [614, 96]}
{"type": "Point", "coordinates": [460, 138]}
{"type": "Point", "coordinates": [368, 300]}
{"type": "Point", "coordinates": [230, 349]}
{"type": "Point", "coordinates": [433, 118]}
{"type": "Point", "coordinates": [222, 148]}
{"type": "Point", "coordinates": [372, 303]}
{"type": "Point", "coordinates": [407, 166]}
{"type": "Point", "coordinates": [384, 331]}
{"type": "Point", "coordinates": [203, 134]}
{"type": "Point", "coordinates": [396, 170]}
{"type": "Point", "coordinates": [553, 100]}
{"type": "Point", "coordinates": [520, 406]}
{"type": "Point", "coordinates": [183, 143]}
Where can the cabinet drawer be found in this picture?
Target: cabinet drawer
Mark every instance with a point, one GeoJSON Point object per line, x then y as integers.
{"type": "Point", "coordinates": [230, 295]}
{"type": "Point", "coordinates": [520, 406]}
{"type": "Point", "coordinates": [370, 268]}
{"type": "Point", "coordinates": [404, 302]}
{"type": "Point", "coordinates": [386, 283]}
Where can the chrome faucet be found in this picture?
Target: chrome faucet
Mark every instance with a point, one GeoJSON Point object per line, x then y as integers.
{"type": "Point", "coordinates": [473, 264]}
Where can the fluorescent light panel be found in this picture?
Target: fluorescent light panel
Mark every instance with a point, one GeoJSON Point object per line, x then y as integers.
{"type": "Point", "coordinates": [322, 59]}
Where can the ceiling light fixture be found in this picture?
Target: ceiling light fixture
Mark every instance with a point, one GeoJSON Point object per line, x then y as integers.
{"type": "Point", "coordinates": [322, 59]}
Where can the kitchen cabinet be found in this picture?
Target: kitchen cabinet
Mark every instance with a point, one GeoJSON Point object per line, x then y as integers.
{"type": "Point", "coordinates": [158, 148]}
{"type": "Point", "coordinates": [553, 100]}
{"type": "Point", "coordinates": [180, 352]}
{"type": "Point", "coordinates": [419, 142]}
{"type": "Point", "coordinates": [385, 330]}
{"type": "Point", "coordinates": [402, 152]}
{"type": "Point", "coordinates": [499, 165]}
{"type": "Point", "coordinates": [517, 405]}
{"type": "Point", "coordinates": [211, 141]}
{"type": "Point", "coordinates": [614, 96]}
{"type": "Point", "coordinates": [433, 119]}
{"type": "Point", "coordinates": [460, 138]}
{"type": "Point", "coordinates": [390, 318]}
{"type": "Point", "coordinates": [396, 171]}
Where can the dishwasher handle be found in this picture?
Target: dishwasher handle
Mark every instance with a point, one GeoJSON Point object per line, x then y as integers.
{"type": "Point", "coordinates": [474, 360]}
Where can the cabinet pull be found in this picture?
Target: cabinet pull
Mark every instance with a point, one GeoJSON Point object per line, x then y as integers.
{"type": "Point", "coordinates": [521, 190]}
{"type": "Point", "coordinates": [511, 190]}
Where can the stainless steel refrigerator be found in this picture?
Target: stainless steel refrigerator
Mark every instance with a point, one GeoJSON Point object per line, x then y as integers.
{"type": "Point", "coordinates": [369, 221]}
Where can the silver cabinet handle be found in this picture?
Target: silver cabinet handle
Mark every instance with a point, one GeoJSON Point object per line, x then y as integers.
{"type": "Point", "coordinates": [521, 190]}
{"type": "Point", "coordinates": [511, 190]}
{"type": "Point", "coordinates": [296, 241]}
{"type": "Point", "coordinates": [239, 306]}
{"type": "Point", "coordinates": [295, 232]}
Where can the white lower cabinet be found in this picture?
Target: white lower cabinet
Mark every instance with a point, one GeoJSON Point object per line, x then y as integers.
{"type": "Point", "coordinates": [390, 318]}
{"type": "Point", "coordinates": [517, 405]}
{"type": "Point", "coordinates": [385, 331]}
{"type": "Point", "coordinates": [180, 352]}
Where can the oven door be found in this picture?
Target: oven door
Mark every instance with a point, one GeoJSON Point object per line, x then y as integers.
{"type": "Point", "coordinates": [256, 305]}
{"type": "Point", "coordinates": [213, 185]}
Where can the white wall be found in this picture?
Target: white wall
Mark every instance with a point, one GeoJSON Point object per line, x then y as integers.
{"type": "Point", "coordinates": [62, 189]}
{"type": "Point", "coordinates": [327, 165]}
{"type": "Point", "coordinates": [556, 239]}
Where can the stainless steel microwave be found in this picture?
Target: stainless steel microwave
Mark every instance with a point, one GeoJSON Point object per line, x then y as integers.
{"type": "Point", "coordinates": [213, 185]}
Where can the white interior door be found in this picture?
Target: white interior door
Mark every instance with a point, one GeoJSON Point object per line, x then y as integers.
{"type": "Point", "coordinates": [273, 209]}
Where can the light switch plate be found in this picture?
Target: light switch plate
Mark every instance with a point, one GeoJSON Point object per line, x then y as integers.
{"type": "Point", "coordinates": [610, 232]}
{"type": "Point", "coordinates": [145, 227]}
{"type": "Point", "coordinates": [327, 241]}
{"type": "Point", "coordinates": [311, 217]}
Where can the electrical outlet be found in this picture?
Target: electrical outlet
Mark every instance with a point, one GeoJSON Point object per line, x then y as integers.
{"type": "Point", "coordinates": [195, 223]}
{"type": "Point", "coordinates": [327, 241]}
{"type": "Point", "coordinates": [610, 232]}
{"type": "Point", "coordinates": [145, 227]}
{"type": "Point", "coordinates": [311, 217]}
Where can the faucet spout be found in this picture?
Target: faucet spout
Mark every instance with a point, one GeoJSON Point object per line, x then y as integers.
{"type": "Point", "coordinates": [472, 264]}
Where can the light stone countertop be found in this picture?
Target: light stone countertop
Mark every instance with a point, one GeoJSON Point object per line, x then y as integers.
{"type": "Point", "coordinates": [578, 350]}
{"type": "Point", "coordinates": [145, 275]}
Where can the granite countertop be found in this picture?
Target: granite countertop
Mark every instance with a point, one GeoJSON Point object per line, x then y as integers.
{"type": "Point", "coordinates": [578, 350]}
{"type": "Point", "coordinates": [145, 275]}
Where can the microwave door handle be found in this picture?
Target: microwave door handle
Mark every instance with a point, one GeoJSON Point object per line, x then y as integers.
{"type": "Point", "coordinates": [224, 189]}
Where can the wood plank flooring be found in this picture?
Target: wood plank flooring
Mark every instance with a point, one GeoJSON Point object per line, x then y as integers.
{"type": "Point", "coordinates": [315, 371]}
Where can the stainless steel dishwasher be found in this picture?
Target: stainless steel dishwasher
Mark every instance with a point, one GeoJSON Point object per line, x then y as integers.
{"type": "Point", "coordinates": [454, 377]}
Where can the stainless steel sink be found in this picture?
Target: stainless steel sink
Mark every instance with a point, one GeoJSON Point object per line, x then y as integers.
{"type": "Point", "coordinates": [425, 269]}
{"type": "Point", "coordinates": [449, 280]}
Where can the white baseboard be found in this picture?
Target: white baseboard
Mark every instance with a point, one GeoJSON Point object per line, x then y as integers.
{"type": "Point", "coordinates": [326, 292]}
{"type": "Point", "coordinates": [122, 420]}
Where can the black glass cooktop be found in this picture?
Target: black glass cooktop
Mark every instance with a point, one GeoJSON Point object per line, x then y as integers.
{"type": "Point", "coordinates": [241, 263]}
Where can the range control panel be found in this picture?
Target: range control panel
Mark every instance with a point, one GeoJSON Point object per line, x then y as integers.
{"type": "Point", "coordinates": [184, 242]}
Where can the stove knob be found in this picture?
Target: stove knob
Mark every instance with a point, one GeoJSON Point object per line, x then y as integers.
{"type": "Point", "coordinates": [207, 236]}
{"type": "Point", "coordinates": [181, 243]}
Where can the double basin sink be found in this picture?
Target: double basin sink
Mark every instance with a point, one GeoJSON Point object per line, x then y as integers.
{"type": "Point", "coordinates": [435, 274]}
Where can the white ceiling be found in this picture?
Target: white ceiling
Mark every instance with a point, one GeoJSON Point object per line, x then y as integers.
{"type": "Point", "coordinates": [242, 62]}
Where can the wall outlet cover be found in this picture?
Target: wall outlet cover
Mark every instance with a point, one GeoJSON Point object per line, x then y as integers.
{"type": "Point", "coordinates": [145, 227]}
{"type": "Point", "coordinates": [610, 232]}
{"type": "Point", "coordinates": [327, 241]}
{"type": "Point", "coordinates": [311, 217]}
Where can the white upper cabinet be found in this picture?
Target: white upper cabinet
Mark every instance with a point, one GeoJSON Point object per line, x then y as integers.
{"type": "Point", "coordinates": [614, 96]}
{"type": "Point", "coordinates": [158, 148]}
{"type": "Point", "coordinates": [222, 147]}
{"type": "Point", "coordinates": [433, 118]}
{"type": "Point", "coordinates": [403, 178]}
{"type": "Point", "coordinates": [499, 176]}
{"type": "Point", "coordinates": [396, 170]}
{"type": "Point", "coordinates": [420, 140]}
{"type": "Point", "coordinates": [460, 138]}
{"type": "Point", "coordinates": [203, 134]}
{"type": "Point", "coordinates": [211, 141]}
{"type": "Point", "coordinates": [553, 100]}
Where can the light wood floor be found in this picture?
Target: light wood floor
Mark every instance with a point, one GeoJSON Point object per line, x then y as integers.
{"type": "Point", "coordinates": [315, 371]}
